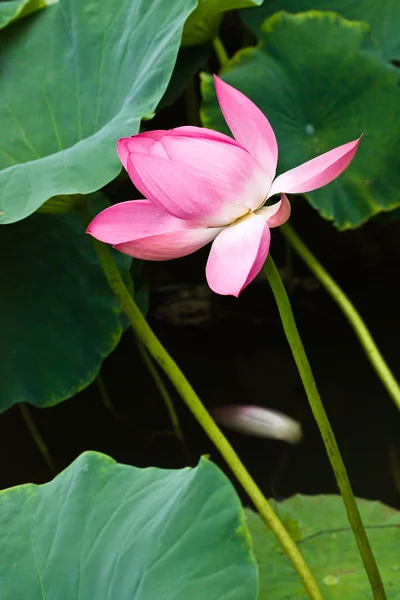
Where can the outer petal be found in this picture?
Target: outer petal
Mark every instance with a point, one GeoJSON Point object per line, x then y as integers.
{"type": "Point", "coordinates": [133, 220]}
{"type": "Point", "coordinates": [229, 170]}
{"type": "Point", "coordinates": [237, 255]}
{"type": "Point", "coordinates": [202, 133]}
{"type": "Point", "coordinates": [144, 142]}
{"type": "Point", "coordinates": [180, 191]}
{"type": "Point", "coordinates": [277, 214]}
{"type": "Point", "coordinates": [173, 244]}
{"type": "Point", "coordinates": [249, 126]}
{"type": "Point", "coordinates": [317, 172]}
{"type": "Point", "coordinates": [141, 229]}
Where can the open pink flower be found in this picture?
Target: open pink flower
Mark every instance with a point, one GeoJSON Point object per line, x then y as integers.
{"type": "Point", "coordinates": [202, 186]}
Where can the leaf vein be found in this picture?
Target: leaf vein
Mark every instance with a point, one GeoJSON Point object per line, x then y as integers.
{"type": "Point", "coordinates": [23, 133]}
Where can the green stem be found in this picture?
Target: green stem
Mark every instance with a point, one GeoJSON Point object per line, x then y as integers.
{"type": "Point", "coordinates": [169, 405]}
{"type": "Point", "coordinates": [367, 342]}
{"type": "Point", "coordinates": [171, 369]}
{"type": "Point", "coordinates": [332, 449]}
{"type": "Point", "coordinates": [104, 396]}
{"type": "Point", "coordinates": [220, 51]}
{"type": "Point", "coordinates": [36, 436]}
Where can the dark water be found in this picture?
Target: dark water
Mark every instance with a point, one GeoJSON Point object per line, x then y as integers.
{"type": "Point", "coordinates": [234, 351]}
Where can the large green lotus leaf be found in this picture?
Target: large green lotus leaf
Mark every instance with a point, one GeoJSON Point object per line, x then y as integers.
{"type": "Point", "coordinates": [106, 531]}
{"type": "Point", "coordinates": [320, 83]}
{"type": "Point", "coordinates": [382, 15]}
{"type": "Point", "coordinates": [10, 10]}
{"type": "Point", "coordinates": [320, 527]}
{"type": "Point", "coordinates": [73, 79]}
{"type": "Point", "coordinates": [203, 24]}
{"type": "Point", "coordinates": [58, 317]}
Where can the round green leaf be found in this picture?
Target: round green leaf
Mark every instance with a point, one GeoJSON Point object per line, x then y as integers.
{"type": "Point", "coordinates": [382, 15]}
{"type": "Point", "coordinates": [203, 24]}
{"type": "Point", "coordinates": [10, 10]}
{"type": "Point", "coordinates": [106, 531]}
{"type": "Point", "coordinates": [74, 78]}
{"type": "Point", "coordinates": [58, 317]}
{"type": "Point", "coordinates": [320, 527]}
{"type": "Point", "coordinates": [319, 82]}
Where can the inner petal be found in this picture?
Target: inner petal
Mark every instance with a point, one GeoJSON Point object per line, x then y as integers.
{"type": "Point", "coordinates": [237, 255]}
{"type": "Point", "coordinates": [230, 171]}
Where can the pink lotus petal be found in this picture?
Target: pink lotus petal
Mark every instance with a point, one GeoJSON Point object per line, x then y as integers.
{"type": "Point", "coordinates": [258, 422]}
{"type": "Point", "coordinates": [237, 255]}
{"type": "Point", "coordinates": [140, 144]}
{"type": "Point", "coordinates": [180, 191]}
{"type": "Point", "coordinates": [230, 171]}
{"type": "Point", "coordinates": [317, 172]}
{"type": "Point", "coordinates": [144, 142]}
{"type": "Point", "coordinates": [154, 134]}
{"type": "Point", "coordinates": [133, 220]}
{"type": "Point", "coordinates": [249, 126]}
{"type": "Point", "coordinates": [202, 133]}
{"type": "Point", "coordinates": [277, 214]}
{"type": "Point", "coordinates": [166, 246]}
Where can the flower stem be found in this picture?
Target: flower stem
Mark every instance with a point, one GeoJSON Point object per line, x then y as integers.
{"type": "Point", "coordinates": [220, 51]}
{"type": "Point", "coordinates": [332, 449]}
{"type": "Point", "coordinates": [36, 436]}
{"type": "Point", "coordinates": [367, 342]}
{"type": "Point", "coordinates": [169, 405]}
{"type": "Point", "coordinates": [189, 396]}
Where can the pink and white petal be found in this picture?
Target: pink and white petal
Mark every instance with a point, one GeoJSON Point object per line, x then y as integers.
{"type": "Point", "coordinates": [249, 126]}
{"type": "Point", "coordinates": [180, 191]}
{"type": "Point", "coordinates": [277, 214]}
{"type": "Point", "coordinates": [317, 172]}
{"type": "Point", "coordinates": [237, 255]}
{"type": "Point", "coordinates": [166, 246]}
{"type": "Point", "coordinates": [230, 171]}
{"type": "Point", "coordinates": [132, 220]}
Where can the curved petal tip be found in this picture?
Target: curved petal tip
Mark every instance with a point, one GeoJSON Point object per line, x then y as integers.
{"type": "Point", "coordinates": [249, 126]}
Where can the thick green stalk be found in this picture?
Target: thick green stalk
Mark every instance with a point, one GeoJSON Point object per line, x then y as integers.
{"type": "Point", "coordinates": [360, 329]}
{"type": "Point", "coordinates": [169, 405]}
{"type": "Point", "coordinates": [220, 51]}
{"type": "Point", "coordinates": [189, 396]}
{"type": "Point", "coordinates": [86, 218]}
{"type": "Point", "coordinates": [332, 449]}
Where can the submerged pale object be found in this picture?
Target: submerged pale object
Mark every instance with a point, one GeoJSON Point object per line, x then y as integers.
{"type": "Point", "coordinates": [259, 422]}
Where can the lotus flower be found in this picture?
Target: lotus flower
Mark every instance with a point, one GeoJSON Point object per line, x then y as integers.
{"type": "Point", "coordinates": [202, 186]}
